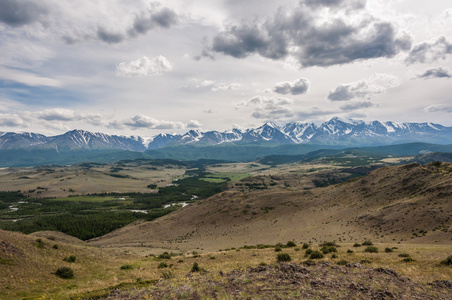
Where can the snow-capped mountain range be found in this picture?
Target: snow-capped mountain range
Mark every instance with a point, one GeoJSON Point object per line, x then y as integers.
{"type": "Point", "coordinates": [334, 132]}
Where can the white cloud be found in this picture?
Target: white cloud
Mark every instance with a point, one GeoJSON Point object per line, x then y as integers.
{"type": "Point", "coordinates": [211, 85]}
{"type": "Point", "coordinates": [142, 121]}
{"type": "Point", "coordinates": [439, 108]}
{"type": "Point", "coordinates": [297, 87]}
{"type": "Point", "coordinates": [144, 67]}
{"type": "Point", "coordinates": [11, 120]}
{"type": "Point", "coordinates": [268, 108]}
{"type": "Point", "coordinates": [364, 89]}
{"type": "Point", "coordinates": [27, 78]}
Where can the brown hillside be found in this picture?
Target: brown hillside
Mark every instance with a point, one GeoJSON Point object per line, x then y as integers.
{"type": "Point", "coordinates": [409, 203]}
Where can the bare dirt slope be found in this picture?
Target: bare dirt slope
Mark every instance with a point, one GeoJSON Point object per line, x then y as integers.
{"type": "Point", "coordinates": [409, 203]}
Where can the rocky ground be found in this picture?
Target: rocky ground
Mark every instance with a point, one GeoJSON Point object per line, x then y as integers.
{"type": "Point", "coordinates": [322, 280]}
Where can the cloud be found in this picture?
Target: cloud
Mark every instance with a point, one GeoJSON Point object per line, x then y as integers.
{"type": "Point", "coordinates": [376, 84]}
{"type": "Point", "coordinates": [337, 4]}
{"type": "Point", "coordinates": [67, 115]}
{"type": "Point", "coordinates": [315, 112]}
{"type": "Point", "coordinates": [17, 13]}
{"type": "Point", "coordinates": [27, 78]}
{"type": "Point", "coordinates": [194, 124]}
{"type": "Point", "coordinates": [428, 52]}
{"type": "Point", "coordinates": [357, 105]}
{"type": "Point", "coordinates": [104, 35]}
{"type": "Point", "coordinates": [435, 73]}
{"type": "Point", "coordinates": [313, 39]}
{"type": "Point", "coordinates": [153, 18]}
{"type": "Point", "coordinates": [300, 86]}
{"type": "Point", "coordinates": [211, 85]}
{"type": "Point", "coordinates": [439, 108]}
{"type": "Point", "coordinates": [144, 67]}
{"type": "Point", "coordinates": [11, 120]}
{"type": "Point", "coordinates": [148, 19]}
{"type": "Point", "coordinates": [141, 121]}
{"type": "Point", "coordinates": [268, 108]}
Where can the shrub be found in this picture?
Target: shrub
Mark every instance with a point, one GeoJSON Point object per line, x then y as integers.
{"type": "Point", "coordinates": [342, 262]}
{"type": "Point", "coordinates": [404, 255]}
{"type": "Point", "coordinates": [64, 272]}
{"type": "Point", "coordinates": [305, 246]}
{"type": "Point", "coordinates": [39, 243]}
{"type": "Point", "coordinates": [367, 243]}
{"type": "Point", "coordinates": [296, 249]}
{"type": "Point", "coordinates": [126, 267]}
{"type": "Point", "coordinates": [309, 262]}
{"type": "Point", "coordinates": [291, 244]}
{"type": "Point", "coordinates": [407, 259]}
{"type": "Point", "coordinates": [164, 255]}
{"type": "Point", "coordinates": [263, 264]}
{"type": "Point", "coordinates": [282, 257]}
{"type": "Point", "coordinates": [334, 256]}
{"type": "Point", "coordinates": [278, 248]}
{"type": "Point", "coordinates": [371, 249]}
{"type": "Point", "coordinates": [180, 261]}
{"type": "Point", "coordinates": [349, 251]}
{"type": "Point", "coordinates": [357, 245]}
{"type": "Point", "coordinates": [167, 275]}
{"type": "Point", "coordinates": [328, 249]}
{"type": "Point", "coordinates": [162, 265]}
{"type": "Point", "coordinates": [388, 250]}
{"type": "Point", "coordinates": [308, 252]}
{"type": "Point", "coordinates": [316, 255]}
{"type": "Point", "coordinates": [55, 246]}
{"type": "Point", "coordinates": [195, 268]}
{"type": "Point", "coordinates": [366, 261]}
{"type": "Point", "coordinates": [447, 261]}
{"type": "Point", "coordinates": [70, 258]}
{"type": "Point", "coordinates": [329, 244]}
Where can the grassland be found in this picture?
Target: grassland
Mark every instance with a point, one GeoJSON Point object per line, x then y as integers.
{"type": "Point", "coordinates": [405, 209]}
{"type": "Point", "coordinates": [243, 272]}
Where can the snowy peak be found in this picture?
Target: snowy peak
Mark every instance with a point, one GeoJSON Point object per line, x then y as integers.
{"type": "Point", "coordinates": [333, 132]}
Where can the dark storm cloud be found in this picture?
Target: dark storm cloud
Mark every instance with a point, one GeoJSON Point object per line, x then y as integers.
{"type": "Point", "coordinates": [109, 37]}
{"type": "Point", "coordinates": [163, 18]}
{"type": "Point", "coordinates": [297, 87]}
{"type": "Point", "coordinates": [435, 73]}
{"type": "Point", "coordinates": [153, 18]}
{"type": "Point", "coordinates": [357, 105]}
{"type": "Point", "coordinates": [427, 52]}
{"type": "Point", "coordinates": [21, 12]}
{"type": "Point", "coordinates": [299, 33]}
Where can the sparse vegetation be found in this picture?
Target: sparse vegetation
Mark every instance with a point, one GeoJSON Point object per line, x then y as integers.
{"type": "Point", "coordinates": [127, 267]}
{"type": "Point", "coordinates": [316, 255]}
{"type": "Point", "coordinates": [447, 261]}
{"type": "Point", "coordinates": [291, 244]}
{"type": "Point", "coordinates": [165, 255]}
{"type": "Point", "coordinates": [70, 259]}
{"type": "Point", "coordinates": [64, 272]}
{"type": "Point", "coordinates": [283, 257]}
{"type": "Point", "coordinates": [371, 249]}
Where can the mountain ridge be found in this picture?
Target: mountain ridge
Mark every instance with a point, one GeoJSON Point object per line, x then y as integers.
{"type": "Point", "coordinates": [335, 132]}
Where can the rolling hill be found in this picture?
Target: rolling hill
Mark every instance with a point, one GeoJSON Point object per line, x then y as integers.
{"type": "Point", "coordinates": [409, 203]}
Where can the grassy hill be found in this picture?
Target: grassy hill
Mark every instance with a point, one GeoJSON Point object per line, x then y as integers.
{"type": "Point", "coordinates": [409, 203]}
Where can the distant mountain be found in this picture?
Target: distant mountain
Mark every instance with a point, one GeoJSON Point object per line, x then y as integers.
{"type": "Point", "coordinates": [335, 132]}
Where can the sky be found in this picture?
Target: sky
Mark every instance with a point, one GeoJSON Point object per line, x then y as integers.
{"type": "Point", "coordinates": [138, 67]}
